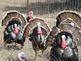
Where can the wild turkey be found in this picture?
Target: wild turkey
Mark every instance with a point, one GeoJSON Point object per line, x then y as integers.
{"type": "Point", "coordinates": [64, 48]}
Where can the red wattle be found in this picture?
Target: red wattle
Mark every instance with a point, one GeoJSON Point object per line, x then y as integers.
{"type": "Point", "coordinates": [63, 44]}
